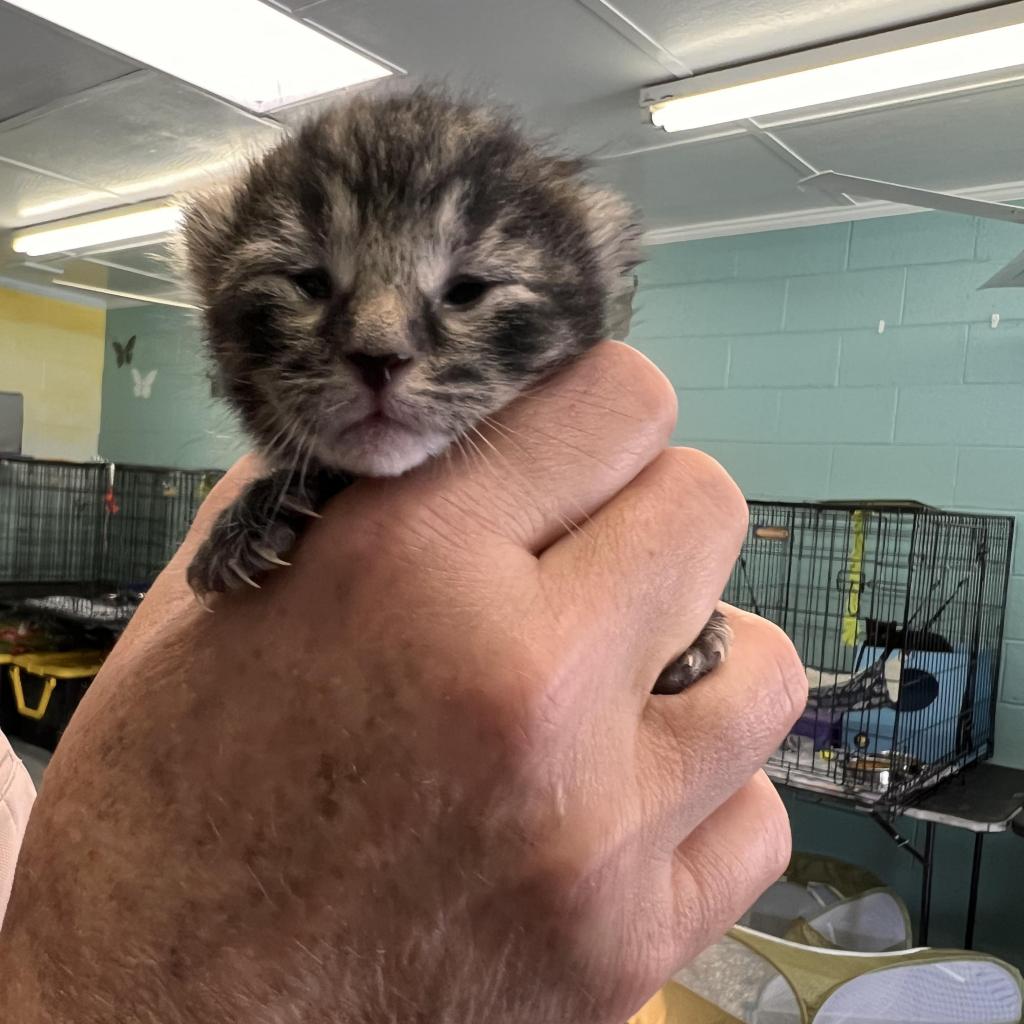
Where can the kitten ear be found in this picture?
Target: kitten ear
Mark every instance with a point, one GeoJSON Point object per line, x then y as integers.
{"type": "Point", "coordinates": [615, 233]}
{"type": "Point", "coordinates": [198, 249]}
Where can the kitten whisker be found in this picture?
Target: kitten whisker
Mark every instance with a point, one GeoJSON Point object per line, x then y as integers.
{"type": "Point", "coordinates": [570, 527]}
{"type": "Point", "coordinates": [512, 436]}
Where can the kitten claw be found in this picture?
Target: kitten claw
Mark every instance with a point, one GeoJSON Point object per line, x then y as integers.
{"type": "Point", "coordinates": [236, 569]}
{"type": "Point", "coordinates": [302, 509]}
{"type": "Point", "coordinates": [269, 555]}
{"type": "Point", "coordinates": [202, 599]}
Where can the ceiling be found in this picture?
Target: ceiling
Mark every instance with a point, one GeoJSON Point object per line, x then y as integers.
{"type": "Point", "coordinates": [82, 129]}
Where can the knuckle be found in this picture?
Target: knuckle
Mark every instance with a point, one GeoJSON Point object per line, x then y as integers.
{"type": "Point", "coordinates": [775, 834]}
{"type": "Point", "coordinates": [699, 476]}
{"type": "Point", "coordinates": [647, 387]}
{"type": "Point", "coordinates": [721, 493]}
{"type": "Point", "coordinates": [708, 896]}
{"type": "Point", "coordinates": [785, 676]}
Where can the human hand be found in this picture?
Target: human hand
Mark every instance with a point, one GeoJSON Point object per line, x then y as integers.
{"type": "Point", "coordinates": [419, 776]}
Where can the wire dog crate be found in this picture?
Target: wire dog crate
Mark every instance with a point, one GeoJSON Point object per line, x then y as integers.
{"type": "Point", "coordinates": [897, 613]}
{"type": "Point", "coordinates": [51, 522]}
{"type": "Point", "coordinates": [89, 528]}
{"type": "Point", "coordinates": [149, 511]}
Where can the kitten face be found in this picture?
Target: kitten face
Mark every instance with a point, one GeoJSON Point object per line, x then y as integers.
{"type": "Point", "coordinates": [395, 272]}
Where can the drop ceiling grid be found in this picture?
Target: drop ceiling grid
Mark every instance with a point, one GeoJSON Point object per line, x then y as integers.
{"type": "Point", "coordinates": [575, 74]}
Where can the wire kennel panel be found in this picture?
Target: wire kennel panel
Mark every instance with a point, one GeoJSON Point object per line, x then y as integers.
{"type": "Point", "coordinates": [73, 528]}
{"type": "Point", "coordinates": [150, 512]}
{"type": "Point", "coordinates": [897, 613]}
{"type": "Point", "coordinates": [51, 521]}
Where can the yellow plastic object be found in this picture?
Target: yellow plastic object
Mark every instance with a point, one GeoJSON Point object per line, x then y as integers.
{"type": "Point", "coordinates": [61, 664]}
{"type": "Point", "coordinates": [855, 578]}
{"type": "Point", "coordinates": [39, 710]}
{"type": "Point", "coordinates": [675, 1004]}
{"type": "Point", "coordinates": [51, 667]}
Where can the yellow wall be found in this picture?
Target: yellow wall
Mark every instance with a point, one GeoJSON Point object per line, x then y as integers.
{"type": "Point", "coordinates": [52, 352]}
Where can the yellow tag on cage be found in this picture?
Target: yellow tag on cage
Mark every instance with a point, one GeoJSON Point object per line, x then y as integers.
{"type": "Point", "coordinates": [851, 626]}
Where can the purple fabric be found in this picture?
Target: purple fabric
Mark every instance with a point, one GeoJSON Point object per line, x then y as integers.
{"type": "Point", "coordinates": [821, 725]}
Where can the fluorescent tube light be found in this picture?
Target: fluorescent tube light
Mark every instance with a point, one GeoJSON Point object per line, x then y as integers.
{"type": "Point", "coordinates": [974, 53]}
{"type": "Point", "coordinates": [115, 227]}
{"type": "Point", "coordinates": [244, 50]}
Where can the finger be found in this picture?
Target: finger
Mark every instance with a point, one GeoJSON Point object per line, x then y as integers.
{"type": "Point", "coordinates": [654, 560]}
{"type": "Point", "coordinates": [725, 863]}
{"type": "Point", "coordinates": [701, 745]}
{"type": "Point", "coordinates": [545, 462]}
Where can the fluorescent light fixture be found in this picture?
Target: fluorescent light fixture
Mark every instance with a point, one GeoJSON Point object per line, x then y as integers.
{"type": "Point", "coordinates": [123, 226]}
{"type": "Point", "coordinates": [771, 87]}
{"type": "Point", "coordinates": [156, 299]}
{"type": "Point", "coordinates": [244, 50]}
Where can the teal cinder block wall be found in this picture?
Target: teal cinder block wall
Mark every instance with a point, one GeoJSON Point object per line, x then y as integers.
{"type": "Point", "coordinates": [180, 424]}
{"type": "Point", "coordinates": [773, 343]}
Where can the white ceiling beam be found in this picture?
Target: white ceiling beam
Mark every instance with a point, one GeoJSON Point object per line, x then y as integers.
{"type": "Point", "coordinates": [633, 33]}
{"type": "Point", "coordinates": [1004, 191]}
{"type": "Point", "coordinates": [835, 185]}
{"type": "Point", "coordinates": [791, 157]}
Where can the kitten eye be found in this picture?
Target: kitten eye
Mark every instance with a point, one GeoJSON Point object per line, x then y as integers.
{"type": "Point", "coordinates": [315, 282]}
{"type": "Point", "coordinates": [465, 291]}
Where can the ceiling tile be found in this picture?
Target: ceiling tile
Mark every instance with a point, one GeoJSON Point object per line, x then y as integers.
{"type": "Point", "coordinates": [946, 143]}
{"type": "Point", "coordinates": [725, 179]}
{"type": "Point", "coordinates": [143, 135]}
{"type": "Point", "coordinates": [707, 34]}
{"type": "Point", "coordinates": [27, 197]}
{"type": "Point", "coordinates": [28, 45]}
{"type": "Point", "coordinates": [552, 60]}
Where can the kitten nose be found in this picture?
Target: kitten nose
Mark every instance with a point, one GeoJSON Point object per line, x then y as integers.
{"type": "Point", "coordinates": [377, 370]}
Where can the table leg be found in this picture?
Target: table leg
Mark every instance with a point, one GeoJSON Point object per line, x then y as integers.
{"type": "Point", "coordinates": [972, 901]}
{"type": "Point", "coordinates": [926, 882]}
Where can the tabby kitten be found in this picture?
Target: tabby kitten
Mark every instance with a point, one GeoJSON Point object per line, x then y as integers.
{"type": "Point", "coordinates": [396, 270]}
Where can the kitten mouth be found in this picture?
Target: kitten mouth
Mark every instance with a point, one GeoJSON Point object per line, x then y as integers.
{"type": "Point", "coordinates": [373, 419]}
{"type": "Point", "coordinates": [379, 444]}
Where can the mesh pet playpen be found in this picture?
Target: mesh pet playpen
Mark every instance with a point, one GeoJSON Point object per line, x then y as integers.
{"type": "Point", "coordinates": [755, 978]}
{"type": "Point", "coordinates": [833, 947]}
{"type": "Point", "coordinates": [897, 613]}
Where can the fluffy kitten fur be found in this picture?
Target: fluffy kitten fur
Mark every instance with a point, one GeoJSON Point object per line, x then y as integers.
{"type": "Point", "coordinates": [395, 271]}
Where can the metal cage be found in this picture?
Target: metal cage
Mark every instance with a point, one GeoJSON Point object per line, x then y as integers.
{"type": "Point", "coordinates": [89, 528]}
{"type": "Point", "coordinates": [149, 511]}
{"type": "Point", "coordinates": [897, 613]}
{"type": "Point", "coordinates": [51, 522]}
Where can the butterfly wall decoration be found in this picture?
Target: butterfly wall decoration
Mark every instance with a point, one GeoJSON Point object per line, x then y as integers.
{"type": "Point", "coordinates": [143, 385]}
{"type": "Point", "coordinates": [124, 352]}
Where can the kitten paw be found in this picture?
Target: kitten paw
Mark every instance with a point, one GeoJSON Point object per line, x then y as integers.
{"type": "Point", "coordinates": [252, 535]}
{"type": "Point", "coordinates": [708, 651]}
{"type": "Point", "coordinates": [238, 553]}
